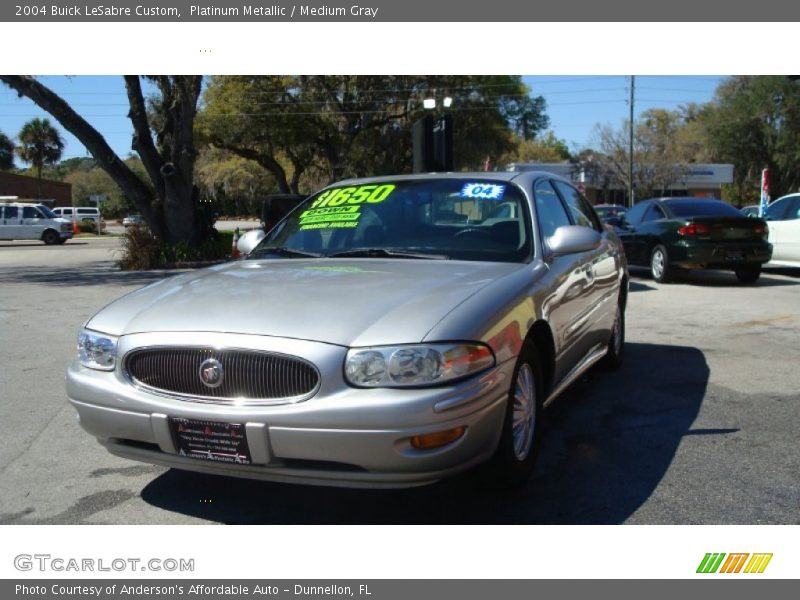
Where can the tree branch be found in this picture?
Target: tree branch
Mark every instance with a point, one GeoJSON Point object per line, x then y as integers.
{"type": "Point", "coordinates": [142, 138]}
{"type": "Point", "coordinates": [133, 187]}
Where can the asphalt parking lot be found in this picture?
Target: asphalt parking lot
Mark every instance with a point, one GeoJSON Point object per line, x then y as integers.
{"type": "Point", "coordinates": [699, 426]}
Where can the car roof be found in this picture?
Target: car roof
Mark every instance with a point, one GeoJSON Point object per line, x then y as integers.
{"type": "Point", "coordinates": [517, 176]}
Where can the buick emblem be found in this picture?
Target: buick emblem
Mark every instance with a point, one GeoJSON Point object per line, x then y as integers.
{"type": "Point", "coordinates": [211, 373]}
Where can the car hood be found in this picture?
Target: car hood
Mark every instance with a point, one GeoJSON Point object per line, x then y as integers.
{"type": "Point", "coordinates": [350, 302]}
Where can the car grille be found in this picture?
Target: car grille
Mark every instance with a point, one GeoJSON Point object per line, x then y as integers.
{"type": "Point", "coordinates": [249, 376]}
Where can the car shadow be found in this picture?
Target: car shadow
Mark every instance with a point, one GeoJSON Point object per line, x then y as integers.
{"type": "Point", "coordinates": [37, 244]}
{"type": "Point", "coordinates": [638, 286]}
{"type": "Point", "coordinates": [719, 278]}
{"type": "Point", "coordinates": [785, 271]}
{"type": "Point", "coordinates": [96, 273]}
{"type": "Point", "coordinates": [609, 440]}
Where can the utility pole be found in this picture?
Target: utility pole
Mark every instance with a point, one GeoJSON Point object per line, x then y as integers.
{"type": "Point", "coordinates": [630, 144]}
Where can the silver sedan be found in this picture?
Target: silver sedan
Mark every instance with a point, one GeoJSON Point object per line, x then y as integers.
{"type": "Point", "coordinates": [388, 332]}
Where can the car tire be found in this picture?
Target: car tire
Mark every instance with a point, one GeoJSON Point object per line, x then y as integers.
{"type": "Point", "coordinates": [616, 344]}
{"type": "Point", "coordinates": [660, 269]}
{"type": "Point", "coordinates": [50, 237]}
{"type": "Point", "coordinates": [748, 274]}
{"type": "Point", "coordinates": [520, 439]}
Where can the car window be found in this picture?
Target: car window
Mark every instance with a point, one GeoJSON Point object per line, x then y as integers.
{"type": "Point", "coordinates": [794, 209]}
{"type": "Point", "coordinates": [654, 213]}
{"type": "Point", "coordinates": [445, 216]}
{"type": "Point", "coordinates": [87, 211]}
{"type": "Point", "coordinates": [635, 214]}
{"type": "Point", "coordinates": [46, 212]}
{"type": "Point", "coordinates": [10, 212]}
{"type": "Point", "coordinates": [29, 212]}
{"type": "Point", "coordinates": [550, 211]}
{"type": "Point", "coordinates": [582, 212]}
{"type": "Point", "coordinates": [776, 210]}
{"type": "Point", "coordinates": [690, 207]}
{"type": "Point", "coordinates": [66, 211]}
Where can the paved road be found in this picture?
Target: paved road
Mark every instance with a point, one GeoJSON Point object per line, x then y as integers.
{"type": "Point", "coordinates": [699, 426]}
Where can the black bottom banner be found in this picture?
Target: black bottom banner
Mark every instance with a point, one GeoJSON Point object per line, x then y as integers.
{"type": "Point", "coordinates": [392, 589]}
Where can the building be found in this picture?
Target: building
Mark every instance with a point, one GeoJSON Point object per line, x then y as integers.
{"type": "Point", "coordinates": [701, 180]}
{"type": "Point", "coordinates": [54, 193]}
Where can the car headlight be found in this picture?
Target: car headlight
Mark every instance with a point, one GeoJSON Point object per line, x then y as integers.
{"type": "Point", "coordinates": [415, 366]}
{"type": "Point", "coordinates": [97, 350]}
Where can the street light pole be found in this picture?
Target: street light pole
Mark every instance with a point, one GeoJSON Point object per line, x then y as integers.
{"type": "Point", "coordinates": [630, 144]}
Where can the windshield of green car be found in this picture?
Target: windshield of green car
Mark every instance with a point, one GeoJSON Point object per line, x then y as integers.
{"type": "Point", "coordinates": [447, 218]}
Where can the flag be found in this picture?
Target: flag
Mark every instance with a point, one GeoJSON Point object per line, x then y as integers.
{"type": "Point", "coordinates": [762, 209]}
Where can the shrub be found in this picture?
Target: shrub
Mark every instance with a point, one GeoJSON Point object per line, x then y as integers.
{"type": "Point", "coordinates": [87, 227]}
{"type": "Point", "coordinates": [139, 249]}
{"type": "Point", "coordinates": [143, 251]}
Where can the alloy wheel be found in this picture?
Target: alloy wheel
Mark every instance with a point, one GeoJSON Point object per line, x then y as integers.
{"type": "Point", "coordinates": [524, 412]}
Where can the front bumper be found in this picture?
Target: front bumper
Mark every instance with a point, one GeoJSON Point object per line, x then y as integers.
{"type": "Point", "coordinates": [340, 436]}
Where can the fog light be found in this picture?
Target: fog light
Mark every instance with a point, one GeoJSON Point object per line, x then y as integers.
{"type": "Point", "coordinates": [429, 441]}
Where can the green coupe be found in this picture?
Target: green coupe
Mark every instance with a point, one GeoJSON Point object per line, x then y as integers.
{"type": "Point", "coordinates": [671, 235]}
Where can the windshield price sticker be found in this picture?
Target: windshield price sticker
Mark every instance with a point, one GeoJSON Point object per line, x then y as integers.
{"type": "Point", "coordinates": [341, 207]}
{"type": "Point", "coordinates": [483, 191]}
{"type": "Point", "coordinates": [370, 194]}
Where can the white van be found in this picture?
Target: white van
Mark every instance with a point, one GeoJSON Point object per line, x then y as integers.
{"type": "Point", "coordinates": [80, 214]}
{"type": "Point", "coordinates": [26, 221]}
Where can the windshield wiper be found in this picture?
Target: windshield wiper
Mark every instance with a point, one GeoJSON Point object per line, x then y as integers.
{"type": "Point", "coordinates": [385, 253]}
{"type": "Point", "coordinates": [283, 251]}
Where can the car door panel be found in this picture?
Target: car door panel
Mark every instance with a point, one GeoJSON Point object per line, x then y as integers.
{"type": "Point", "coordinates": [596, 309]}
{"type": "Point", "coordinates": [784, 234]}
{"type": "Point", "coordinates": [10, 223]}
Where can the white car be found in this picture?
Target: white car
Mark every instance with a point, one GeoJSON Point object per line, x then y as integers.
{"type": "Point", "coordinates": [783, 216]}
{"type": "Point", "coordinates": [26, 221]}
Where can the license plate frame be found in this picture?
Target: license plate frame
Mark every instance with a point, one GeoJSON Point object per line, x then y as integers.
{"type": "Point", "coordinates": [211, 441]}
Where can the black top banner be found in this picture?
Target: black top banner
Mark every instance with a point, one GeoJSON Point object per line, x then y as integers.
{"type": "Point", "coordinates": [406, 10]}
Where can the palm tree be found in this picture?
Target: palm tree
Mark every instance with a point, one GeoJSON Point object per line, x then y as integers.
{"type": "Point", "coordinates": [40, 145]}
{"type": "Point", "coordinates": [6, 152]}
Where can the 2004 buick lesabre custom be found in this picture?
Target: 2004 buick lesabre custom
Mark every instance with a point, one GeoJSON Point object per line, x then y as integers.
{"type": "Point", "coordinates": [387, 332]}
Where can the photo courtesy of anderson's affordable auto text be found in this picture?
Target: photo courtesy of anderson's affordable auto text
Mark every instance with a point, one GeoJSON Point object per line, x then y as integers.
{"type": "Point", "coordinates": [391, 324]}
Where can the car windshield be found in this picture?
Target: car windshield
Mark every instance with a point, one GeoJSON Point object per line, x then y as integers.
{"type": "Point", "coordinates": [701, 208]}
{"type": "Point", "coordinates": [455, 218]}
{"type": "Point", "coordinates": [47, 212]}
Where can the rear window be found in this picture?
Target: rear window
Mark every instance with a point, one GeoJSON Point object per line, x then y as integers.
{"type": "Point", "coordinates": [701, 208]}
{"type": "Point", "coordinates": [87, 211]}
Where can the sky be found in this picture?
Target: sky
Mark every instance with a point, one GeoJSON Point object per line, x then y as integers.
{"type": "Point", "coordinates": [575, 104]}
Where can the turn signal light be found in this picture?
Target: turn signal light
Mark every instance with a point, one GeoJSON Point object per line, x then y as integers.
{"type": "Point", "coordinates": [429, 441]}
{"type": "Point", "coordinates": [694, 229]}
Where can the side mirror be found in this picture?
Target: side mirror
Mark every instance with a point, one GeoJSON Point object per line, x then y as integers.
{"type": "Point", "coordinates": [572, 239]}
{"type": "Point", "coordinates": [250, 240]}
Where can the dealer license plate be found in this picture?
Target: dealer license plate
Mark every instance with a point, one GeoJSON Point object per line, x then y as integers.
{"type": "Point", "coordinates": [734, 255]}
{"type": "Point", "coordinates": [211, 440]}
